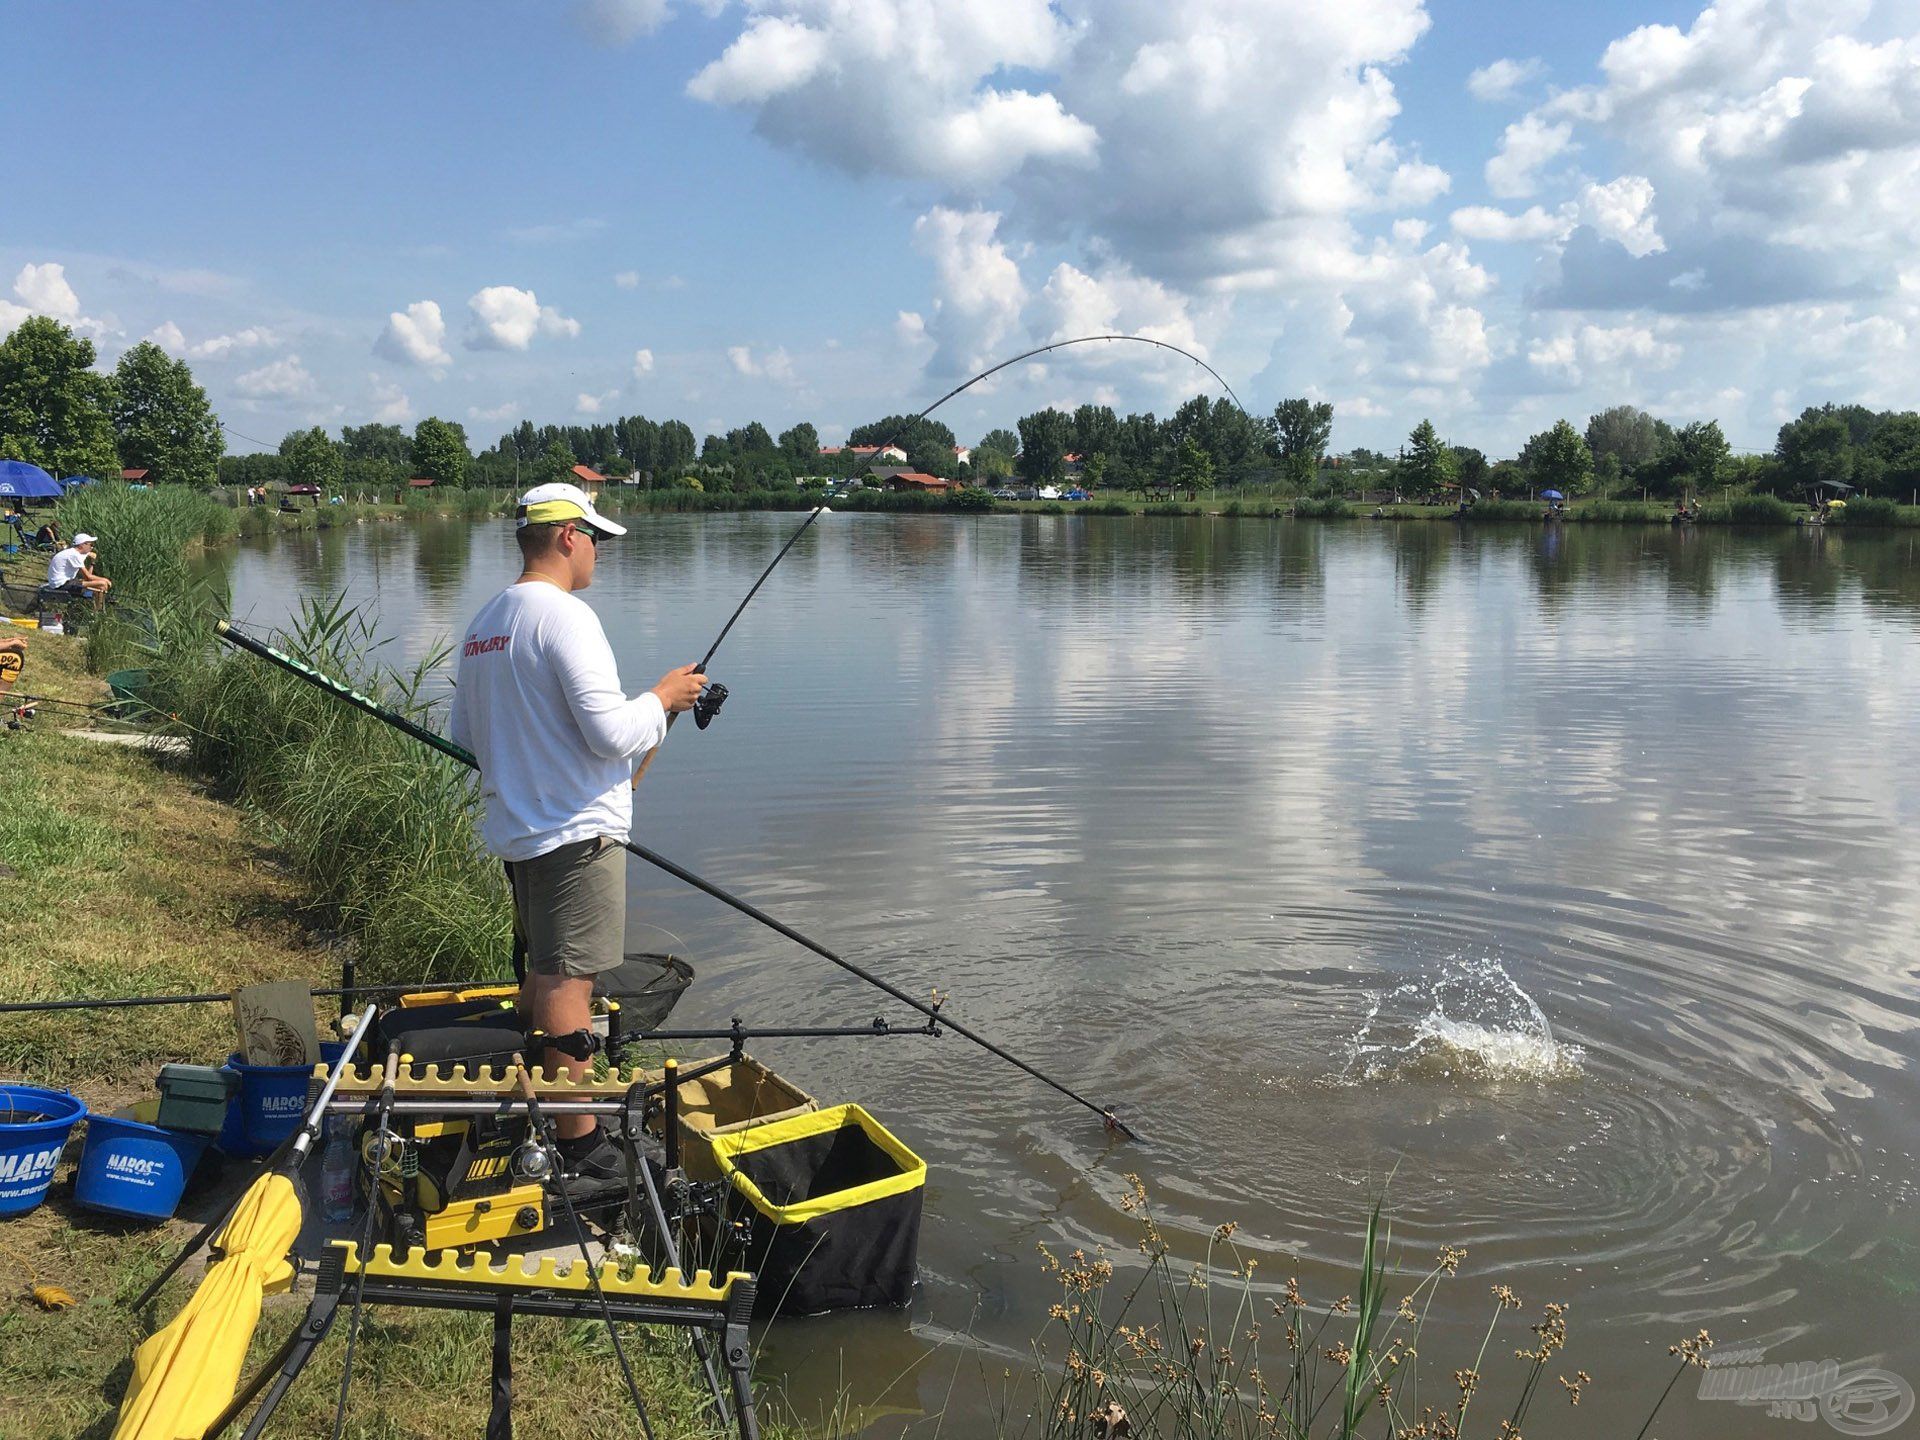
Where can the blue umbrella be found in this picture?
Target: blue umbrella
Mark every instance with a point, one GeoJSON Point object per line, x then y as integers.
{"type": "Point", "coordinates": [1551, 495]}
{"type": "Point", "coordinates": [73, 480]}
{"type": "Point", "coordinates": [21, 481]}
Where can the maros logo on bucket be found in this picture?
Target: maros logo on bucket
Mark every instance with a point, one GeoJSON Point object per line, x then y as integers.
{"type": "Point", "coordinates": [284, 1104]}
{"type": "Point", "coordinates": [27, 1167]}
{"type": "Point", "coordinates": [132, 1167]}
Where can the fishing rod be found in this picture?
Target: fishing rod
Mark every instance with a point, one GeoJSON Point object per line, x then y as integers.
{"type": "Point", "coordinates": [679, 872]}
{"type": "Point", "coordinates": [715, 695]}
{"type": "Point", "coordinates": [210, 997]}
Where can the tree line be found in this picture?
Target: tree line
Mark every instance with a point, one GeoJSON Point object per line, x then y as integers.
{"type": "Point", "coordinates": [58, 412]}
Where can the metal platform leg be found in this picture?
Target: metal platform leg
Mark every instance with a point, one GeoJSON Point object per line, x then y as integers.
{"type": "Point", "coordinates": [500, 1416]}
{"type": "Point", "coordinates": [284, 1368]}
{"type": "Point", "coordinates": [739, 1358]}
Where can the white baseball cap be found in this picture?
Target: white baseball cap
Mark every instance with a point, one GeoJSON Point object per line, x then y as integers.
{"type": "Point", "coordinates": [83, 538]}
{"type": "Point", "coordinates": [558, 503]}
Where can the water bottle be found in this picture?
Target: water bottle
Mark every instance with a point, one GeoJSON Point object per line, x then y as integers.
{"type": "Point", "coordinates": [337, 1165]}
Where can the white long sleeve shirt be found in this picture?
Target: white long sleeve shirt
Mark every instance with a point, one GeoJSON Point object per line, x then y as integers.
{"type": "Point", "coordinates": [538, 702]}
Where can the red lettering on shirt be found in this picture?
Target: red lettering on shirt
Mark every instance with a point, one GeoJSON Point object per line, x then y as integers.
{"type": "Point", "coordinates": [485, 647]}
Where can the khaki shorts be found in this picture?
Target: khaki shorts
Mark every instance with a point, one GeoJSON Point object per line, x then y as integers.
{"type": "Point", "coordinates": [572, 906]}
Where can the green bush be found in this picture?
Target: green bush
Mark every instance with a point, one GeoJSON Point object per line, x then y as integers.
{"type": "Point", "coordinates": [1104, 507]}
{"type": "Point", "coordinates": [1321, 507]}
{"type": "Point", "coordinates": [1870, 510]}
{"type": "Point", "coordinates": [1759, 510]}
{"type": "Point", "coordinates": [1624, 512]}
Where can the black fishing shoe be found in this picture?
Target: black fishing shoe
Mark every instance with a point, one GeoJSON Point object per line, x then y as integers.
{"type": "Point", "coordinates": [598, 1174]}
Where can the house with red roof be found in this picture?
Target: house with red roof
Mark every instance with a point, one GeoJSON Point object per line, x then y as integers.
{"type": "Point", "coordinates": [922, 483]}
{"type": "Point", "coordinates": [586, 477]}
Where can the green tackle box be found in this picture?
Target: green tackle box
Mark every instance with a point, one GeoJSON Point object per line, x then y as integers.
{"type": "Point", "coordinates": [194, 1098]}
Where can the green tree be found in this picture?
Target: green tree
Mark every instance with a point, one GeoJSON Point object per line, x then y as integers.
{"type": "Point", "coordinates": [801, 447]}
{"type": "Point", "coordinates": [1470, 466]}
{"type": "Point", "coordinates": [1629, 434]}
{"type": "Point", "coordinates": [1429, 462]}
{"type": "Point", "coordinates": [676, 448]}
{"type": "Point", "coordinates": [556, 462]}
{"type": "Point", "coordinates": [1193, 472]}
{"type": "Point", "coordinates": [166, 426]}
{"type": "Point", "coordinates": [376, 442]}
{"type": "Point", "coordinates": [1897, 446]}
{"type": "Point", "coordinates": [440, 451]}
{"type": "Point", "coordinates": [1300, 430]}
{"type": "Point", "coordinates": [1816, 447]}
{"type": "Point", "coordinates": [1702, 451]}
{"type": "Point", "coordinates": [1096, 431]}
{"type": "Point", "coordinates": [1005, 441]}
{"type": "Point", "coordinates": [1045, 437]}
{"type": "Point", "coordinates": [988, 463]}
{"type": "Point", "coordinates": [1558, 459]}
{"type": "Point", "coordinates": [55, 410]}
{"type": "Point", "coordinates": [312, 458]}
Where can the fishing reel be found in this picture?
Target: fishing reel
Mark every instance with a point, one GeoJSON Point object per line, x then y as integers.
{"type": "Point", "coordinates": [18, 717]}
{"type": "Point", "coordinates": [709, 703]}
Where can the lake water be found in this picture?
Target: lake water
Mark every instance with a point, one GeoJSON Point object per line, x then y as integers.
{"type": "Point", "coordinates": [1561, 885]}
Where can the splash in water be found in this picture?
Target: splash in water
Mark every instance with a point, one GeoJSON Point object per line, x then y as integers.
{"type": "Point", "coordinates": [1472, 1022]}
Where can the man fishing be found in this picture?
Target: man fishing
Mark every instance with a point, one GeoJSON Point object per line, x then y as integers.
{"type": "Point", "coordinates": [539, 703]}
{"type": "Point", "coordinates": [71, 571]}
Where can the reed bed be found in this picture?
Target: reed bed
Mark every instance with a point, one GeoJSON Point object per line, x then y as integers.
{"type": "Point", "coordinates": [1207, 1351]}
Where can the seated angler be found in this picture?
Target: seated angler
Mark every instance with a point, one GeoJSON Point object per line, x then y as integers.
{"type": "Point", "coordinates": [70, 572]}
{"type": "Point", "coordinates": [539, 703]}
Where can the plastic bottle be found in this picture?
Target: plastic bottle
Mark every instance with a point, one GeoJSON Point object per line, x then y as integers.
{"type": "Point", "coordinates": [337, 1166]}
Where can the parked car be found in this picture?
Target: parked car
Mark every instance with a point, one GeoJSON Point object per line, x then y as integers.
{"type": "Point", "coordinates": [1076, 494]}
{"type": "Point", "coordinates": [1048, 492]}
{"type": "Point", "coordinates": [1005, 494]}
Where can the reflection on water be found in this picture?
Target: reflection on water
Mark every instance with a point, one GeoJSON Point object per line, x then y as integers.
{"type": "Point", "coordinates": [1604, 839]}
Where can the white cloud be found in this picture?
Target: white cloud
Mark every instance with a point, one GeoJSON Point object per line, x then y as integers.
{"type": "Point", "coordinates": [586, 404]}
{"type": "Point", "coordinates": [627, 279]}
{"type": "Point", "coordinates": [617, 22]}
{"type": "Point", "coordinates": [775, 365]}
{"type": "Point", "coordinates": [390, 402]}
{"type": "Point", "coordinates": [1488, 222]}
{"type": "Point", "coordinates": [642, 364]}
{"type": "Point", "coordinates": [1503, 79]}
{"type": "Point", "coordinates": [1529, 143]}
{"type": "Point", "coordinates": [506, 318]}
{"type": "Point", "coordinates": [169, 337]}
{"type": "Point", "coordinates": [504, 410]}
{"type": "Point", "coordinates": [416, 336]}
{"type": "Point", "coordinates": [43, 290]}
{"type": "Point", "coordinates": [281, 379]}
{"type": "Point", "coordinates": [1622, 210]}
{"type": "Point", "coordinates": [981, 292]}
{"type": "Point", "coordinates": [1575, 353]}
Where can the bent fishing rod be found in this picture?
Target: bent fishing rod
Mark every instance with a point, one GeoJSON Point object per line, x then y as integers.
{"type": "Point", "coordinates": [243, 641]}
{"type": "Point", "coordinates": [715, 695]}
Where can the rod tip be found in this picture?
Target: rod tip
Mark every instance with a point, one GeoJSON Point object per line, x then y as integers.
{"type": "Point", "coordinates": [220, 627]}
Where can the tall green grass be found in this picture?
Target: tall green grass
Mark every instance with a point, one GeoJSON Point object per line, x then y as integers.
{"type": "Point", "coordinates": [382, 830]}
{"type": "Point", "coordinates": [144, 534]}
{"type": "Point", "coordinates": [1322, 507]}
{"type": "Point", "coordinates": [1868, 510]}
{"type": "Point", "coordinates": [1759, 510]}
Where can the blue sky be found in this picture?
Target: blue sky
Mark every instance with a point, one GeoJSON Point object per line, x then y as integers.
{"type": "Point", "coordinates": [790, 209]}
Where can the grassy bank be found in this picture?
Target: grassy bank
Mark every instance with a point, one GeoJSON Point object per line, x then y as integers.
{"type": "Point", "coordinates": [134, 878]}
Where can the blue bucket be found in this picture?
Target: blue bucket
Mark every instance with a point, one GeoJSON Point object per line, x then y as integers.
{"type": "Point", "coordinates": [273, 1098]}
{"type": "Point", "coordinates": [134, 1169]}
{"type": "Point", "coordinates": [30, 1144]}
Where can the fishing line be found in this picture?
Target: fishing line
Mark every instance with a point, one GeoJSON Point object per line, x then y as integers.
{"type": "Point", "coordinates": [227, 632]}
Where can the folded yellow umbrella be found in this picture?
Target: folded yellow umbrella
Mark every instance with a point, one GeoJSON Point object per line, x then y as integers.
{"type": "Point", "coordinates": [185, 1374]}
